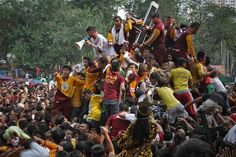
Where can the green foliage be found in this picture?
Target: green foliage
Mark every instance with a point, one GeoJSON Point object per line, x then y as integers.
{"type": "Point", "coordinates": [44, 32]}
{"type": "Point", "coordinates": [217, 25]}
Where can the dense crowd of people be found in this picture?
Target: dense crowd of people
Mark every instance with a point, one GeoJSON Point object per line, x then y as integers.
{"type": "Point", "coordinates": [158, 98]}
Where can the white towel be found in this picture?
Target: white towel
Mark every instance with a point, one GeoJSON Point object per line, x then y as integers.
{"type": "Point", "coordinates": [121, 34]}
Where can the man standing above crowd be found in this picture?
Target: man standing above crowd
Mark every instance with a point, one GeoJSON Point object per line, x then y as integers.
{"type": "Point", "coordinates": [157, 39]}
{"type": "Point", "coordinates": [171, 33]}
{"type": "Point", "coordinates": [114, 88]}
{"type": "Point", "coordinates": [99, 43]}
{"type": "Point", "coordinates": [198, 72]}
{"type": "Point", "coordinates": [181, 79]}
{"type": "Point", "coordinates": [65, 84]}
{"type": "Point", "coordinates": [184, 45]}
{"type": "Point", "coordinates": [118, 34]}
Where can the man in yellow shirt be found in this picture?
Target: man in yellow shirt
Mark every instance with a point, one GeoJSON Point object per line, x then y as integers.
{"type": "Point", "coordinates": [198, 72]}
{"type": "Point", "coordinates": [181, 79]}
{"type": "Point", "coordinates": [95, 105]}
{"type": "Point", "coordinates": [150, 65]}
{"type": "Point", "coordinates": [64, 94]}
{"type": "Point", "coordinates": [77, 94]}
{"type": "Point", "coordinates": [91, 75]}
{"type": "Point", "coordinates": [174, 108]}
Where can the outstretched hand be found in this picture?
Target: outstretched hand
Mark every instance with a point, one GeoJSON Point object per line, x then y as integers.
{"type": "Point", "coordinates": [226, 152]}
{"type": "Point", "coordinates": [104, 130]}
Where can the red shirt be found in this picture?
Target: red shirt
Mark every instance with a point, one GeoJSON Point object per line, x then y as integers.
{"type": "Point", "coordinates": [37, 71]}
{"type": "Point", "coordinates": [160, 41]}
{"type": "Point", "coordinates": [181, 42]}
{"type": "Point", "coordinates": [112, 86]}
{"type": "Point", "coordinates": [117, 125]}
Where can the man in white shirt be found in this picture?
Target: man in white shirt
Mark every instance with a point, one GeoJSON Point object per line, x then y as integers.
{"type": "Point", "coordinates": [218, 85]}
{"type": "Point", "coordinates": [99, 43]}
{"type": "Point", "coordinates": [220, 88]}
{"type": "Point", "coordinates": [231, 136]}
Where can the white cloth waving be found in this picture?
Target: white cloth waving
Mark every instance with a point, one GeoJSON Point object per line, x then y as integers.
{"type": "Point", "coordinates": [121, 35]}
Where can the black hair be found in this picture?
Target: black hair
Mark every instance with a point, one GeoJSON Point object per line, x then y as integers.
{"type": "Point", "coordinates": [97, 150]}
{"type": "Point", "coordinates": [165, 152]}
{"type": "Point", "coordinates": [66, 126]}
{"type": "Point", "coordinates": [147, 48]}
{"type": "Point", "coordinates": [62, 154]}
{"type": "Point", "coordinates": [87, 91]}
{"type": "Point", "coordinates": [150, 57]}
{"type": "Point", "coordinates": [104, 60]}
{"type": "Point", "coordinates": [200, 55]}
{"type": "Point", "coordinates": [155, 15]}
{"type": "Point", "coordinates": [48, 118]}
{"type": "Point", "coordinates": [39, 116]}
{"type": "Point", "coordinates": [76, 153]}
{"type": "Point", "coordinates": [133, 109]}
{"type": "Point", "coordinates": [67, 67]}
{"type": "Point", "coordinates": [132, 64]}
{"type": "Point", "coordinates": [141, 67]}
{"type": "Point", "coordinates": [182, 25]}
{"type": "Point", "coordinates": [23, 123]}
{"type": "Point", "coordinates": [168, 135]}
{"type": "Point", "coordinates": [39, 108]}
{"type": "Point", "coordinates": [194, 148]}
{"type": "Point", "coordinates": [91, 28]}
{"type": "Point", "coordinates": [31, 128]}
{"type": "Point", "coordinates": [117, 17]}
{"type": "Point", "coordinates": [140, 130]}
{"type": "Point", "coordinates": [40, 133]}
{"type": "Point", "coordinates": [155, 75]}
{"type": "Point", "coordinates": [67, 145]}
{"type": "Point", "coordinates": [123, 106]}
{"type": "Point", "coordinates": [85, 122]}
{"type": "Point", "coordinates": [86, 58]}
{"type": "Point", "coordinates": [162, 82]}
{"type": "Point", "coordinates": [91, 63]}
{"type": "Point", "coordinates": [115, 65]}
{"type": "Point", "coordinates": [214, 74]}
{"type": "Point", "coordinates": [81, 74]}
{"type": "Point", "coordinates": [181, 61]}
{"type": "Point", "coordinates": [195, 25]}
{"type": "Point", "coordinates": [57, 134]}
{"type": "Point", "coordinates": [59, 119]}
{"type": "Point", "coordinates": [96, 128]}
{"type": "Point", "coordinates": [85, 147]}
{"type": "Point", "coordinates": [12, 123]}
{"type": "Point", "coordinates": [207, 61]}
{"type": "Point", "coordinates": [99, 83]}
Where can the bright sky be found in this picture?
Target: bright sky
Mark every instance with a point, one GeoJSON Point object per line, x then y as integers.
{"type": "Point", "coordinates": [121, 12]}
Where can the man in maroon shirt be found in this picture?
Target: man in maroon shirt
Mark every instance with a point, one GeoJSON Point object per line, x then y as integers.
{"type": "Point", "coordinates": [184, 48]}
{"type": "Point", "coordinates": [116, 124]}
{"type": "Point", "coordinates": [114, 87]}
{"type": "Point", "coordinates": [157, 39]}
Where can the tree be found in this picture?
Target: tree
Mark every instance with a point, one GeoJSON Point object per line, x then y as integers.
{"type": "Point", "coordinates": [139, 7]}
{"type": "Point", "coordinates": [43, 32]}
